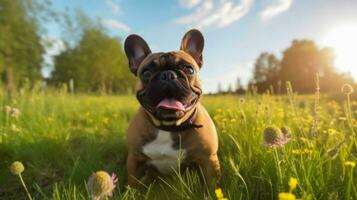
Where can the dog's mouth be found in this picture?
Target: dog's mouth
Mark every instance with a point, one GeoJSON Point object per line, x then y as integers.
{"type": "Point", "coordinates": [174, 105]}
{"type": "Point", "coordinates": [170, 108]}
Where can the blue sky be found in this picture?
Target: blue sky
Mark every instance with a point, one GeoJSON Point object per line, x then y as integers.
{"type": "Point", "coordinates": [236, 31]}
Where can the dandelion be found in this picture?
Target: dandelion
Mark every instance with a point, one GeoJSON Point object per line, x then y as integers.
{"type": "Point", "coordinates": [16, 168]}
{"type": "Point", "coordinates": [101, 185]}
{"type": "Point", "coordinates": [351, 164]}
{"type": "Point", "coordinates": [286, 196]}
{"type": "Point", "coordinates": [219, 194]}
{"type": "Point", "coordinates": [293, 182]}
{"type": "Point", "coordinates": [274, 137]}
{"type": "Point", "coordinates": [347, 89]}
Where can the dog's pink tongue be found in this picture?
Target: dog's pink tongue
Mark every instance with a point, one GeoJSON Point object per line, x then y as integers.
{"type": "Point", "coordinates": [171, 104]}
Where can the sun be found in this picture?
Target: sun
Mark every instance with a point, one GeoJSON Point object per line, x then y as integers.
{"type": "Point", "coordinates": [343, 39]}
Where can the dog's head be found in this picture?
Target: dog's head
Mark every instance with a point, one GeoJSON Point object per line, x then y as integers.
{"type": "Point", "coordinates": [168, 84]}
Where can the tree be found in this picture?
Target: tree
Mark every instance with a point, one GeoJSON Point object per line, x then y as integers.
{"type": "Point", "coordinates": [20, 43]}
{"type": "Point", "coordinates": [96, 63]}
{"type": "Point", "coordinates": [239, 87]}
{"type": "Point", "coordinates": [299, 65]}
{"type": "Point", "coordinates": [266, 70]}
{"type": "Point", "coordinates": [302, 61]}
{"type": "Point", "coordinates": [229, 89]}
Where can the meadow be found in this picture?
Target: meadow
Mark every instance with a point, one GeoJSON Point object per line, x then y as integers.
{"type": "Point", "coordinates": [62, 139]}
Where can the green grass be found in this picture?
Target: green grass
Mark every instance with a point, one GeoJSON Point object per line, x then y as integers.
{"type": "Point", "coordinates": [61, 139]}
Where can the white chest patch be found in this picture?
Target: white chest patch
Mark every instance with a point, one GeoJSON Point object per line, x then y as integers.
{"type": "Point", "coordinates": [163, 156]}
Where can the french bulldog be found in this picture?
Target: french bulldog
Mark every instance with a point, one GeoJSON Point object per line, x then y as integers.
{"type": "Point", "coordinates": [171, 130]}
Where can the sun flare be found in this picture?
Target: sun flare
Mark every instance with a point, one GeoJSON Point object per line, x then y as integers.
{"type": "Point", "coordinates": [343, 40]}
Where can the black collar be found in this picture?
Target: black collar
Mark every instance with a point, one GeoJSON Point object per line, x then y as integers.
{"type": "Point", "coordinates": [188, 124]}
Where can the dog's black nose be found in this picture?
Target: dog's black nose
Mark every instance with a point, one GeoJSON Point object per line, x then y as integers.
{"type": "Point", "coordinates": [168, 75]}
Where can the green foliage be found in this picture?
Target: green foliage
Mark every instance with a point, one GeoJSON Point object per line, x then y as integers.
{"type": "Point", "coordinates": [20, 43]}
{"type": "Point", "coordinates": [62, 139]}
{"type": "Point", "coordinates": [299, 65]}
{"type": "Point", "coordinates": [96, 62]}
{"type": "Point", "coordinates": [266, 69]}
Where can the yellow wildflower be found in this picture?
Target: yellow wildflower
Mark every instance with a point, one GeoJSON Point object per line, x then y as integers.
{"type": "Point", "coordinates": [105, 120]}
{"type": "Point", "coordinates": [219, 193]}
{"type": "Point", "coordinates": [303, 139]}
{"type": "Point", "coordinates": [296, 151]}
{"type": "Point", "coordinates": [286, 196]}
{"type": "Point", "coordinates": [301, 151]}
{"type": "Point", "coordinates": [351, 164]}
{"type": "Point", "coordinates": [307, 151]}
{"type": "Point", "coordinates": [293, 182]}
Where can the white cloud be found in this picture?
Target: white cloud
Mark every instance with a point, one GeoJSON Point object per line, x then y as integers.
{"type": "Point", "coordinates": [115, 24]}
{"type": "Point", "coordinates": [114, 6]}
{"type": "Point", "coordinates": [189, 3]}
{"type": "Point", "coordinates": [278, 7]}
{"type": "Point", "coordinates": [200, 12]}
{"type": "Point", "coordinates": [216, 13]}
{"type": "Point", "coordinates": [53, 47]}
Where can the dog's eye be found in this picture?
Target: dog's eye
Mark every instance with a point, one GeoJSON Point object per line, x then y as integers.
{"type": "Point", "coordinates": [188, 69]}
{"type": "Point", "coordinates": [146, 74]}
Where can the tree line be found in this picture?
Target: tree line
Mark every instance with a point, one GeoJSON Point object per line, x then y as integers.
{"type": "Point", "coordinates": [300, 64]}
{"type": "Point", "coordinates": [94, 61]}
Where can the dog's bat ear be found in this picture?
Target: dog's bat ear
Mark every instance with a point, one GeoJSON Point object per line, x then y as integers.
{"type": "Point", "coordinates": [136, 50]}
{"type": "Point", "coordinates": [193, 43]}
